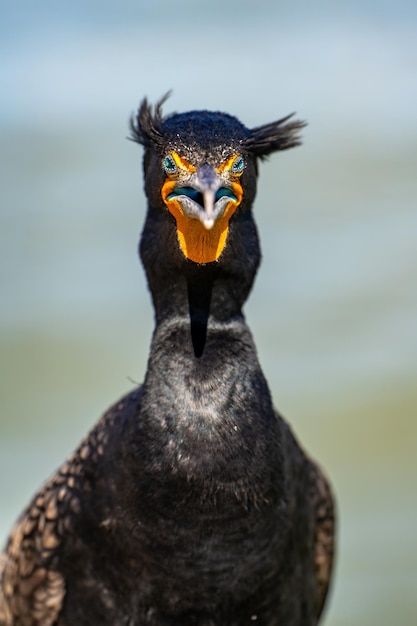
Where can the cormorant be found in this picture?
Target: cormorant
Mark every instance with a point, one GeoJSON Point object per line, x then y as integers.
{"type": "Point", "coordinates": [190, 503]}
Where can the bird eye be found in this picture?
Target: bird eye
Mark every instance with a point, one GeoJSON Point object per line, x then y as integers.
{"type": "Point", "coordinates": [169, 164]}
{"type": "Point", "coordinates": [238, 165]}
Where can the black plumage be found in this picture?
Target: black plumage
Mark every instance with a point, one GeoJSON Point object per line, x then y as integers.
{"type": "Point", "coordinates": [190, 502]}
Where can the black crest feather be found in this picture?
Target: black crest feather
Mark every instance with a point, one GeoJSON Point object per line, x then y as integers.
{"type": "Point", "coordinates": [146, 125]}
{"type": "Point", "coordinates": [275, 136]}
{"type": "Point", "coordinates": [146, 128]}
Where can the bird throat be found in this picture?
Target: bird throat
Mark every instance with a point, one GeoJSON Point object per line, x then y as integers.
{"type": "Point", "coordinates": [198, 243]}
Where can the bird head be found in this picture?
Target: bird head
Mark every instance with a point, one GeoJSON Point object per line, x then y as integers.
{"type": "Point", "coordinates": [200, 167]}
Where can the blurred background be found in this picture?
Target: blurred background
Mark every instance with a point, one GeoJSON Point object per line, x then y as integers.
{"type": "Point", "coordinates": [334, 308]}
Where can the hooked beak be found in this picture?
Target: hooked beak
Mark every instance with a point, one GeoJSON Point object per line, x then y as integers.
{"type": "Point", "coordinates": [207, 181]}
{"type": "Point", "coordinates": [205, 197]}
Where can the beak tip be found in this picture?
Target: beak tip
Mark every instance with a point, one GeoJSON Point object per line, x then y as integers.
{"type": "Point", "coordinates": [208, 223]}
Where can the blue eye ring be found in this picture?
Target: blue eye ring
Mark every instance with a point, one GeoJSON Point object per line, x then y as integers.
{"type": "Point", "coordinates": [169, 164]}
{"type": "Point", "coordinates": [238, 165]}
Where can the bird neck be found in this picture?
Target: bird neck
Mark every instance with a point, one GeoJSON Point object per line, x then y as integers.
{"type": "Point", "coordinates": [207, 413]}
{"type": "Point", "coordinates": [205, 294]}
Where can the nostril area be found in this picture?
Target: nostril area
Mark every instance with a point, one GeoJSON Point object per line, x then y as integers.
{"type": "Point", "coordinates": [208, 176]}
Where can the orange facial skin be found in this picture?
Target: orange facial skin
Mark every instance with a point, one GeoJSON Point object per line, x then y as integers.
{"type": "Point", "coordinates": [198, 243]}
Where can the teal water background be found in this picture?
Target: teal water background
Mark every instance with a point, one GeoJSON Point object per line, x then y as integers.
{"type": "Point", "coordinates": [334, 308]}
